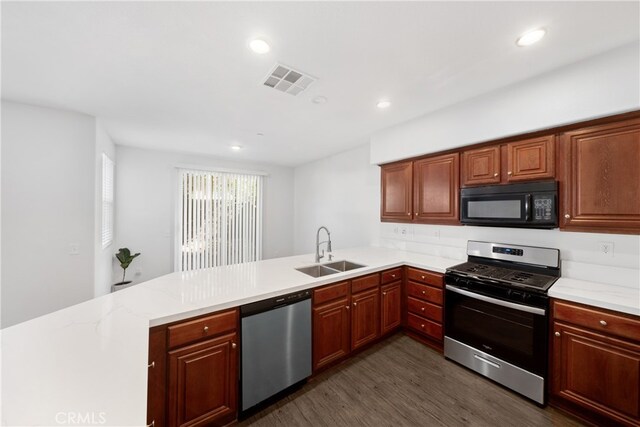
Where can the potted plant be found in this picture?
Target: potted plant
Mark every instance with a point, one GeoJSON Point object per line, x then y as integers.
{"type": "Point", "coordinates": [125, 258]}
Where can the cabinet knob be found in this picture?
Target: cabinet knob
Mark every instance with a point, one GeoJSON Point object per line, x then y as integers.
{"type": "Point", "coordinates": [567, 216]}
{"type": "Point", "coordinates": [603, 322]}
{"type": "Point", "coordinates": [495, 174]}
{"type": "Point", "coordinates": [355, 303]}
{"type": "Point", "coordinates": [422, 326]}
{"type": "Point", "coordinates": [152, 364]}
{"type": "Point", "coordinates": [422, 277]}
{"type": "Point", "coordinates": [416, 213]}
{"type": "Point", "coordinates": [509, 173]}
{"type": "Point", "coordinates": [234, 345]}
{"type": "Point", "coordinates": [347, 307]}
{"type": "Point", "coordinates": [393, 276]}
{"type": "Point", "coordinates": [384, 294]}
{"type": "Point", "coordinates": [422, 309]}
{"type": "Point", "coordinates": [424, 292]}
{"type": "Point", "coordinates": [409, 213]}
{"type": "Point", "coordinates": [205, 329]}
{"type": "Point", "coordinates": [557, 334]}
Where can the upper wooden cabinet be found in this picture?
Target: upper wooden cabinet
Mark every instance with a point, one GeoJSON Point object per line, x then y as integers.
{"type": "Point", "coordinates": [600, 178]}
{"type": "Point", "coordinates": [481, 166]}
{"type": "Point", "coordinates": [531, 159]}
{"type": "Point", "coordinates": [436, 188]}
{"type": "Point", "coordinates": [396, 188]}
{"type": "Point", "coordinates": [424, 191]}
{"type": "Point", "coordinates": [524, 160]}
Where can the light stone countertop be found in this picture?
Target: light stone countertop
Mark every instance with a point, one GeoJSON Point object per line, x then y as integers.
{"type": "Point", "coordinates": [88, 363]}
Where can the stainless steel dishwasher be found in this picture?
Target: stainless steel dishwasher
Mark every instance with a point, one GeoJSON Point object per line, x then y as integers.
{"type": "Point", "coordinates": [276, 347]}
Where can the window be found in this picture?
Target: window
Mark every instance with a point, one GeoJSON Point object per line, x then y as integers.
{"type": "Point", "coordinates": [107, 200]}
{"type": "Point", "coordinates": [220, 219]}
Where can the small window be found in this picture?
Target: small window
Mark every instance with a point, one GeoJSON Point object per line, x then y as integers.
{"type": "Point", "coordinates": [107, 201]}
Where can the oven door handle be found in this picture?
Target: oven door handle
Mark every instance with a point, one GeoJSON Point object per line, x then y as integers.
{"type": "Point", "coordinates": [519, 307]}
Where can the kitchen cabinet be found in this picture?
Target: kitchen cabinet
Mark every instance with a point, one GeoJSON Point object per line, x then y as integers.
{"type": "Point", "coordinates": [436, 189]}
{"type": "Point", "coordinates": [365, 317]}
{"type": "Point", "coordinates": [595, 363]}
{"type": "Point", "coordinates": [523, 160]}
{"type": "Point", "coordinates": [397, 192]}
{"type": "Point", "coordinates": [390, 307]}
{"type": "Point", "coordinates": [193, 371]}
{"type": "Point", "coordinates": [424, 305]}
{"type": "Point", "coordinates": [424, 191]}
{"type": "Point", "coordinates": [331, 338]}
{"type": "Point", "coordinates": [600, 178]}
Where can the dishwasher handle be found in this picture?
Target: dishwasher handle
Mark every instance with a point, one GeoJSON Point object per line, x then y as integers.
{"type": "Point", "coordinates": [273, 303]}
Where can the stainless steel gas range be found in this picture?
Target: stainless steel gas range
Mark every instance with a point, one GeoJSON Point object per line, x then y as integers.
{"type": "Point", "coordinates": [496, 314]}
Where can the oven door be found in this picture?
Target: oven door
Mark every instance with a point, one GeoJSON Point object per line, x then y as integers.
{"type": "Point", "coordinates": [496, 209]}
{"type": "Point", "coordinates": [509, 331]}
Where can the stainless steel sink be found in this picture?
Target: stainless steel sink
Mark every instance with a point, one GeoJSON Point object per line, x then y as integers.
{"type": "Point", "coordinates": [343, 265]}
{"type": "Point", "coordinates": [317, 270]}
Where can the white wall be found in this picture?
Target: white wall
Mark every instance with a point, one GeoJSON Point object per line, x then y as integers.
{"type": "Point", "coordinates": [340, 192]}
{"type": "Point", "coordinates": [145, 215]}
{"type": "Point", "coordinates": [599, 86]}
{"type": "Point", "coordinates": [103, 266]}
{"type": "Point", "coordinates": [47, 206]}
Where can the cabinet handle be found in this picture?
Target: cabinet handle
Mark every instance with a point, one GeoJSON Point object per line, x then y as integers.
{"type": "Point", "coordinates": [567, 216]}
{"type": "Point", "coordinates": [557, 334]}
{"type": "Point", "coordinates": [152, 364]}
{"type": "Point", "coordinates": [393, 276]}
{"type": "Point", "coordinates": [205, 329]}
{"type": "Point", "coordinates": [234, 345]}
{"type": "Point", "coordinates": [509, 173]}
{"type": "Point", "coordinates": [495, 174]}
{"type": "Point", "coordinates": [409, 213]}
{"type": "Point", "coordinates": [347, 307]}
{"type": "Point", "coordinates": [153, 423]}
{"type": "Point", "coordinates": [355, 303]}
{"type": "Point", "coordinates": [422, 309]}
{"type": "Point", "coordinates": [384, 294]}
{"type": "Point", "coordinates": [603, 322]}
{"type": "Point", "coordinates": [416, 213]}
{"type": "Point", "coordinates": [422, 277]}
{"type": "Point", "coordinates": [422, 326]}
{"type": "Point", "coordinates": [424, 292]}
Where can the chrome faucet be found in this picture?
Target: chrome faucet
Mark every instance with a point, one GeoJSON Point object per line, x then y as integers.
{"type": "Point", "coordinates": [318, 243]}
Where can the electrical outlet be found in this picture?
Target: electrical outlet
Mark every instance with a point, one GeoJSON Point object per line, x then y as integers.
{"type": "Point", "coordinates": [396, 230]}
{"type": "Point", "coordinates": [606, 249]}
{"type": "Point", "coordinates": [74, 249]}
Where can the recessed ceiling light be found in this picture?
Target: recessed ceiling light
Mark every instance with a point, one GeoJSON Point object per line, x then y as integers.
{"type": "Point", "coordinates": [383, 104]}
{"type": "Point", "coordinates": [259, 46]}
{"type": "Point", "coordinates": [530, 37]}
{"type": "Point", "coordinates": [236, 147]}
{"type": "Point", "coordinates": [319, 100]}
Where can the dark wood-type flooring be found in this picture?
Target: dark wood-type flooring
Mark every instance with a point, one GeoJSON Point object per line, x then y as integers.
{"type": "Point", "coordinates": [400, 382]}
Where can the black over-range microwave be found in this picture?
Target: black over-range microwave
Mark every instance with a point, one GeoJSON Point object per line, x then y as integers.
{"type": "Point", "coordinates": [532, 204]}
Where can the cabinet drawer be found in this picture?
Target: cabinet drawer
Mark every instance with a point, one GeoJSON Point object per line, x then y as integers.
{"type": "Point", "coordinates": [422, 276]}
{"type": "Point", "coordinates": [424, 309]}
{"type": "Point", "coordinates": [331, 292]}
{"type": "Point", "coordinates": [424, 292]}
{"type": "Point", "coordinates": [391, 275]}
{"type": "Point", "coordinates": [203, 327]}
{"type": "Point", "coordinates": [366, 282]}
{"type": "Point", "coordinates": [597, 319]}
{"type": "Point", "coordinates": [425, 326]}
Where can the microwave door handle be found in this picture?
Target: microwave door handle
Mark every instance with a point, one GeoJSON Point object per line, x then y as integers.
{"type": "Point", "coordinates": [527, 207]}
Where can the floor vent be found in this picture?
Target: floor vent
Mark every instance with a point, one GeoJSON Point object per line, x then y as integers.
{"type": "Point", "coordinates": [286, 79]}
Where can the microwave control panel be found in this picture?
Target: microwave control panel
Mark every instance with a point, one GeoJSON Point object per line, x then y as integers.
{"type": "Point", "coordinates": [543, 207]}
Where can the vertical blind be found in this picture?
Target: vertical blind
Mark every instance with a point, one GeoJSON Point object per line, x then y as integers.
{"type": "Point", "coordinates": [220, 217]}
{"type": "Point", "coordinates": [107, 200]}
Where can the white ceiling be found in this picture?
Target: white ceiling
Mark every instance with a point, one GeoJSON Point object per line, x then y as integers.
{"type": "Point", "coordinates": [179, 76]}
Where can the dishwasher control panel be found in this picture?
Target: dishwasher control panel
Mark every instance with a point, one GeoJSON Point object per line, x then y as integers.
{"type": "Point", "coordinates": [272, 303]}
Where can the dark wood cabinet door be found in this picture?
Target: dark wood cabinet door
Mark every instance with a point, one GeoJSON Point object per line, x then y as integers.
{"type": "Point", "coordinates": [396, 192]}
{"type": "Point", "coordinates": [330, 332]}
{"type": "Point", "coordinates": [596, 372]}
{"type": "Point", "coordinates": [365, 317]}
{"type": "Point", "coordinates": [156, 383]}
{"type": "Point", "coordinates": [391, 308]}
{"type": "Point", "coordinates": [600, 178]}
{"type": "Point", "coordinates": [531, 159]}
{"type": "Point", "coordinates": [436, 189]}
{"type": "Point", "coordinates": [481, 166]}
{"type": "Point", "coordinates": [203, 380]}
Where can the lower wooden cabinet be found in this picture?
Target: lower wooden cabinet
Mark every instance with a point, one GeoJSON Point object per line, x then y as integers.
{"type": "Point", "coordinates": [365, 317]}
{"type": "Point", "coordinates": [424, 303]}
{"type": "Point", "coordinates": [193, 372]}
{"type": "Point", "coordinates": [390, 307]}
{"type": "Point", "coordinates": [596, 374]}
{"type": "Point", "coordinates": [203, 380]}
{"type": "Point", "coordinates": [330, 332]}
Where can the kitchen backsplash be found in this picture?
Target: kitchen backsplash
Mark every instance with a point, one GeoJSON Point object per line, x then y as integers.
{"type": "Point", "coordinates": [581, 253]}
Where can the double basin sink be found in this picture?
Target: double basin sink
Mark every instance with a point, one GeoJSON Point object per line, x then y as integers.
{"type": "Point", "coordinates": [319, 270]}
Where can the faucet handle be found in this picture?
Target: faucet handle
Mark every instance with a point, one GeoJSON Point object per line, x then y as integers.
{"type": "Point", "coordinates": [330, 256]}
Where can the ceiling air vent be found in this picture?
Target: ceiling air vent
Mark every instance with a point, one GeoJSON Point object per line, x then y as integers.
{"type": "Point", "coordinates": [286, 79]}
